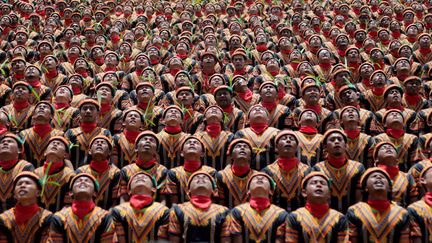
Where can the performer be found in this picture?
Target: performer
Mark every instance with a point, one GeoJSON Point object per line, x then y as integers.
{"type": "Point", "coordinates": [20, 111]}
{"type": "Point", "coordinates": [233, 117]}
{"type": "Point", "coordinates": [377, 219]}
{"type": "Point", "coordinates": [26, 222]}
{"type": "Point", "coordinates": [404, 190]}
{"type": "Point", "coordinates": [106, 174]}
{"type": "Point", "coordinates": [359, 145]}
{"type": "Point", "coordinates": [406, 144]}
{"type": "Point", "coordinates": [244, 98]}
{"type": "Point", "coordinates": [260, 135]}
{"type": "Point", "coordinates": [232, 180]}
{"type": "Point", "coordinates": [192, 151]}
{"type": "Point", "coordinates": [58, 174]}
{"type": "Point", "coordinates": [171, 137]}
{"type": "Point", "coordinates": [124, 142]}
{"type": "Point", "coordinates": [287, 171]}
{"type": "Point", "coordinates": [83, 221]}
{"type": "Point", "coordinates": [141, 219]}
{"type": "Point", "coordinates": [81, 136]}
{"type": "Point", "coordinates": [11, 165]}
{"type": "Point", "coordinates": [243, 224]}
{"type": "Point", "coordinates": [35, 139]}
{"type": "Point", "coordinates": [199, 220]}
{"type": "Point", "coordinates": [109, 116]}
{"type": "Point", "coordinates": [146, 147]}
{"type": "Point", "coordinates": [316, 221]}
{"type": "Point", "coordinates": [310, 150]}
{"type": "Point", "coordinates": [214, 138]}
{"type": "Point", "coordinates": [344, 173]}
{"type": "Point", "coordinates": [419, 211]}
{"type": "Point", "coordinates": [278, 114]}
{"type": "Point", "coordinates": [65, 116]}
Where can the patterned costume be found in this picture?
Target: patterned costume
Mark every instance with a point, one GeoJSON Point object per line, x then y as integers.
{"type": "Point", "coordinates": [34, 230]}
{"type": "Point", "coordinates": [109, 185]}
{"type": "Point", "coordinates": [216, 148]}
{"type": "Point", "coordinates": [420, 214]}
{"type": "Point", "coordinates": [309, 147]}
{"type": "Point", "coordinates": [367, 225]}
{"type": "Point", "coordinates": [34, 145]}
{"type": "Point", "coordinates": [65, 118]}
{"type": "Point", "coordinates": [262, 145]}
{"type": "Point", "coordinates": [158, 171]}
{"type": "Point", "coordinates": [197, 225]}
{"type": "Point", "coordinates": [266, 226]}
{"type": "Point", "coordinates": [80, 143]}
{"type": "Point", "coordinates": [302, 226]}
{"type": "Point", "coordinates": [288, 192]}
{"type": "Point", "coordinates": [145, 225]}
{"type": "Point", "coordinates": [169, 148]}
{"type": "Point", "coordinates": [20, 119]}
{"type": "Point", "coordinates": [6, 183]}
{"type": "Point", "coordinates": [345, 182]}
{"type": "Point", "coordinates": [177, 181]}
{"type": "Point", "coordinates": [56, 196]}
{"type": "Point", "coordinates": [232, 188]}
{"type": "Point", "coordinates": [360, 149]}
{"type": "Point", "coordinates": [97, 226]}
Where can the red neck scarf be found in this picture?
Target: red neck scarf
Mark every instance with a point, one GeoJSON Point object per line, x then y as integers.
{"type": "Point", "coordinates": [274, 73]}
{"type": "Point", "coordinates": [261, 47]}
{"type": "Point", "coordinates": [54, 168]}
{"type": "Point", "coordinates": [42, 129]}
{"type": "Point", "coordinates": [308, 130]}
{"type": "Point", "coordinates": [24, 213]}
{"type": "Point", "coordinates": [110, 69]}
{"type": "Point", "coordinates": [88, 127]}
{"type": "Point", "coordinates": [201, 202]}
{"type": "Point", "coordinates": [294, 65]}
{"type": "Point", "coordinates": [35, 84]}
{"type": "Point", "coordinates": [143, 105]}
{"type": "Point", "coordinates": [140, 201]}
{"type": "Point", "coordinates": [425, 51]}
{"type": "Point", "coordinates": [3, 129]}
{"type": "Point", "coordinates": [402, 76]}
{"type": "Point", "coordinates": [246, 96]}
{"type": "Point", "coordinates": [191, 165]}
{"type": "Point", "coordinates": [145, 164]}
{"type": "Point", "coordinates": [396, 34]}
{"type": "Point", "coordinates": [99, 61]}
{"type": "Point", "coordinates": [76, 90]}
{"type": "Point", "coordinates": [99, 166]}
{"type": "Point", "coordinates": [379, 65]}
{"type": "Point", "coordinates": [240, 72]}
{"type": "Point", "coordinates": [366, 82]}
{"type": "Point", "coordinates": [378, 91]}
{"type": "Point", "coordinates": [317, 108]}
{"type": "Point", "coordinates": [20, 105]}
{"type": "Point", "coordinates": [259, 203]}
{"type": "Point", "coordinates": [240, 170]}
{"type": "Point", "coordinates": [19, 76]}
{"type": "Point", "coordinates": [281, 93]}
{"type": "Point", "coordinates": [6, 165]}
{"type": "Point", "coordinates": [428, 198]}
{"type": "Point", "coordinates": [286, 51]}
{"type": "Point", "coordinates": [412, 100]}
{"type": "Point", "coordinates": [317, 210]}
{"type": "Point", "coordinates": [397, 107]}
{"type": "Point", "coordinates": [174, 71]}
{"type": "Point", "coordinates": [352, 133]}
{"type": "Point", "coordinates": [131, 135]}
{"type": "Point", "coordinates": [399, 16]}
{"type": "Point", "coordinates": [82, 208]}
{"type": "Point", "coordinates": [182, 55]}
{"type": "Point", "coordinates": [105, 108]}
{"type": "Point", "coordinates": [411, 39]}
{"type": "Point", "coordinates": [287, 164]}
{"type": "Point", "coordinates": [259, 128]}
{"type": "Point", "coordinates": [337, 162]}
{"type": "Point", "coordinates": [392, 170]}
{"type": "Point", "coordinates": [59, 106]}
{"type": "Point", "coordinates": [379, 205]}
{"type": "Point", "coordinates": [395, 133]}
{"type": "Point", "coordinates": [51, 74]}
{"type": "Point", "coordinates": [172, 129]}
{"type": "Point", "coordinates": [270, 106]}
{"type": "Point", "coordinates": [325, 66]}
{"type": "Point", "coordinates": [139, 71]}
{"type": "Point", "coordinates": [228, 109]}
{"type": "Point", "coordinates": [214, 129]}
{"type": "Point", "coordinates": [359, 44]}
{"type": "Point", "coordinates": [341, 52]}
{"type": "Point", "coordinates": [385, 42]}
